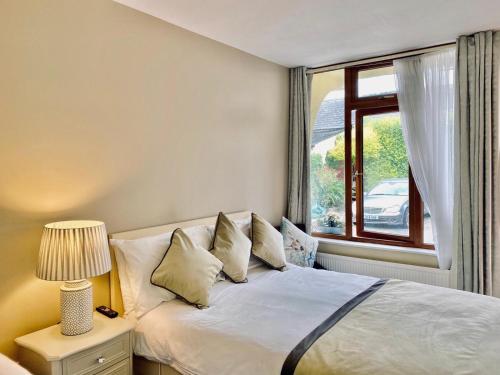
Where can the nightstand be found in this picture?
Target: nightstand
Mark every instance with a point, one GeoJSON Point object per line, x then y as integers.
{"type": "Point", "coordinates": [105, 350]}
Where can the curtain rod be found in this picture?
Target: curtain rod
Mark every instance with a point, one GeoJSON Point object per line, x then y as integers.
{"type": "Point", "coordinates": [391, 56]}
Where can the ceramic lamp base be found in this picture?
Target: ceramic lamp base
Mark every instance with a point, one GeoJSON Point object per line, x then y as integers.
{"type": "Point", "coordinates": [76, 307]}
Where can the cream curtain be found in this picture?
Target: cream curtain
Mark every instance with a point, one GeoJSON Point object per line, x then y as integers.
{"type": "Point", "coordinates": [299, 144]}
{"type": "Point", "coordinates": [477, 184]}
{"type": "Point", "coordinates": [426, 96]}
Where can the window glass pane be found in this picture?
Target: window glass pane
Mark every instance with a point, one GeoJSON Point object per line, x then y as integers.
{"type": "Point", "coordinates": [385, 175]}
{"type": "Point", "coordinates": [376, 82]}
{"type": "Point", "coordinates": [428, 235]}
{"type": "Point", "coordinates": [327, 153]}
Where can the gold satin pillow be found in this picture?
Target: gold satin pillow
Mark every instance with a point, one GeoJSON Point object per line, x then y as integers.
{"type": "Point", "coordinates": [233, 248]}
{"type": "Point", "coordinates": [187, 270]}
{"type": "Point", "coordinates": [267, 243]}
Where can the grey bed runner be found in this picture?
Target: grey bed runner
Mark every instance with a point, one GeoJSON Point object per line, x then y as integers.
{"type": "Point", "coordinates": [296, 354]}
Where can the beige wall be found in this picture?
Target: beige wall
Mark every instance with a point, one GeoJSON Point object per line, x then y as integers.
{"type": "Point", "coordinates": [110, 114]}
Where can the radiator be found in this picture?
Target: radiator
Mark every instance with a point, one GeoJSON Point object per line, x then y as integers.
{"type": "Point", "coordinates": [376, 268]}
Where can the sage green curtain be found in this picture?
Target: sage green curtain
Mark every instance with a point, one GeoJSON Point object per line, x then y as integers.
{"type": "Point", "coordinates": [299, 145]}
{"type": "Point", "coordinates": [477, 180]}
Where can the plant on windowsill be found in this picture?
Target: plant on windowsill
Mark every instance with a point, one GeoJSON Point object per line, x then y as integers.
{"type": "Point", "coordinates": [332, 224]}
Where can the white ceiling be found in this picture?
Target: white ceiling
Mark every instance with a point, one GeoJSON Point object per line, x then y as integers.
{"type": "Point", "coordinates": [318, 32]}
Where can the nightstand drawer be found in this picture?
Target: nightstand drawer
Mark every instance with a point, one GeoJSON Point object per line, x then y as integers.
{"type": "Point", "coordinates": [99, 357]}
{"type": "Point", "coordinates": [121, 368]}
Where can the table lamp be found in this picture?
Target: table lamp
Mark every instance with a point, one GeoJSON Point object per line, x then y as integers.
{"type": "Point", "coordinates": [72, 251]}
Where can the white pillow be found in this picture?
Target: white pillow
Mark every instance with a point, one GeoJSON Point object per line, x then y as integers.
{"type": "Point", "coordinates": [244, 225]}
{"type": "Point", "coordinates": [137, 259]}
{"type": "Point", "coordinates": [125, 288]}
{"type": "Point", "coordinates": [201, 235]}
{"type": "Point", "coordinates": [254, 262]}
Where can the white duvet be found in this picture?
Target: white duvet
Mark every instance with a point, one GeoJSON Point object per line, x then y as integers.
{"type": "Point", "coordinates": [9, 367]}
{"type": "Point", "coordinates": [249, 328]}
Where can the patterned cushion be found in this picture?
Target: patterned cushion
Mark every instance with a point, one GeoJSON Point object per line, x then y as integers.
{"type": "Point", "coordinates": [300, 248]}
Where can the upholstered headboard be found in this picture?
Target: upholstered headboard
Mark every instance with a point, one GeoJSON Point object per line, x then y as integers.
{"type": "Point", "coordinates": [115, 291]}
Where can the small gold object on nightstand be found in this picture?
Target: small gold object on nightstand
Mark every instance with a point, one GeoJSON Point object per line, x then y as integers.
{"type": "Point", "coordinates": [106, 350]}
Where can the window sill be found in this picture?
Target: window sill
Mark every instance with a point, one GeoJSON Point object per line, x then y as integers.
{"type": "Point", "coordinates": [365, 245]}
{"type": "Point", "coordinates": [387, 253]}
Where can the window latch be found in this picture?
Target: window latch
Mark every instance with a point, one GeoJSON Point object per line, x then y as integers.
{"type": "Point", "coordinates": [356, 174]}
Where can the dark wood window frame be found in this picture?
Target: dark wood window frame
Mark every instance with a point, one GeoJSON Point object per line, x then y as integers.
{"type": "Point", "coordinates": [365, 106]}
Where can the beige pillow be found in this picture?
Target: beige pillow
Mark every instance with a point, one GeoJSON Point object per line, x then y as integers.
{"type": "Point", "coordinates": [267, 243]}
{"type": "Point", "coordinates": [187, 270]}
{"type": "Point", "coordinates": [233, 248]}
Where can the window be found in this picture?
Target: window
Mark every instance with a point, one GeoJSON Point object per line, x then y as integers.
{"type": "Point", "coordinates": [361, 184]}
{"type": "Point", "coordinates": [376, 82]}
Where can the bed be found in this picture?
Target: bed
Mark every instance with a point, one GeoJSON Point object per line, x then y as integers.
{"type": "Point", "coordinates": [304, 321]}
{"type": "Point", "coordinates": [8, 366]}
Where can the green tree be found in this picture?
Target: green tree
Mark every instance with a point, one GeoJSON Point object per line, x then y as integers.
{"type": "Point", "coordinates": [327, 189]}
{"type": "Point", "coordinates": [316, 162]}
{"type": "Point", "coordinates": [384, 157]}
{"type": "Point", "coordinates": [392, 146]}
{"type": "Point", "coordinates": [330, 189]}
{"type": "Point", "coordinates": [335, 157]}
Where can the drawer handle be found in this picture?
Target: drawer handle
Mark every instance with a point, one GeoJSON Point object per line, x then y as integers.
{"type": "Point", "coordinates": [101, 360]}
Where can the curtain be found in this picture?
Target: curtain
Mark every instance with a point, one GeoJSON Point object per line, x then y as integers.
{"type": "Point", "coordinates": [425, 87]}
{"type": "Point", "coordinates": [299, 144]}
{"type": "Point", "coordinates": [477, 197]}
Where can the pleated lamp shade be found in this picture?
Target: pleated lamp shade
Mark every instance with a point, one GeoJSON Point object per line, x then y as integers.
{"type": "Point", "coordinates": [73, 250]}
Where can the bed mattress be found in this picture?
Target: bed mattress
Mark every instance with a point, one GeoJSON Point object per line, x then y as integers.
{"type": "Point", "coordinates": [307, 321]}
{"type": "Point", "coordinates": [250, 328]}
